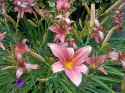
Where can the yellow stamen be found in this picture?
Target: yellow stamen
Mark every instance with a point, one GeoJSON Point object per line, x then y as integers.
{"type": "Point", "coordinates": [69, 64]}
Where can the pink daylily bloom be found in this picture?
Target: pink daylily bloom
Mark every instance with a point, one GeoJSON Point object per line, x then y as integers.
{"type": "Point", "coordinates": [118, 56]}
{"type": "Point", "coordinates": [64, 18]}
{"type": "Point", "coordinates": [23, 6]}
{"type": "Point", "coordinates": [60, 32]}
{"type": "Point", "coordinates": [22, 66]}
{"type": "Point", "coordinates": [97, 32]}
{"type": "Point", "coordinates": [69, 42]}
{"type": "Point", "coordinates": [70, 62]}
{"type": "Point", "coordinates": [62, 5]}
{"type": "Point", "coordinates": [21, 48]}
{"type": "Point", "coordinates": [117, 20]}
{"type": "Point", "coordinates": [96, 62]}
{"type": "Point", "coordinates": [2, 35]}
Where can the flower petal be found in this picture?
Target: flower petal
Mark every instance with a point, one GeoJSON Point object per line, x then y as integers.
{"type": "Point", "coordinates": [74, 75]}
{"type": "Point", "coordinates": [56, 67]}
{"type": "Point", "coordinates": [29, 66]}
{"type": "Point", "coordinates": [62, 38]}
{"type": "Point", "coordinates": [2, 46]}
{"type": "Point", "coordinates": [82, 68]}
{"type": "Point", "coordinates": [123, 63]}
{"type": "Point", "coordinates": [90, 60]}
{"type": "Point", "coordinates": [59, 51]}
{"type": "Point", "coordinates": [19, 72]}
{"type": "Point", "coordinates": [102, 70]}
{"type": "Point", "coordinates": [101, 59]}
{"type": "Point", "coordinates": [81, 54]}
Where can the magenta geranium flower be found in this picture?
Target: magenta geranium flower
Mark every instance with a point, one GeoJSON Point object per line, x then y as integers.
{"type": "Point", "coordinates": [2, 35]}
{"type": "Point", "coordinates": [60, 32]}
{"type": "Point", "coordinates": [23, 6]}
{"type": "Point", "coordinates": [23, 65]}
{"type": "Point", "coordinates": [96, 62]}
{"type": "Point", "coordinates": [21, 48]}
{"type": "Point", "coordinates": [70, 62]}
{"type": "Point", "coordinates": [62, 5]}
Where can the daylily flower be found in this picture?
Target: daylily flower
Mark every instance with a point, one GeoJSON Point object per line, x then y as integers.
{"type": "Point", "coordinates": [21, 48]}
{"type": "Point", "coordinates": [23, 65]}
{"type": "Point", "coordinates": [64, 18]}
{"type": "Point", "coordinates": [118, 56]}
{"type": "Point", "coordinates": [69, 42]}
{"type": "Point", "coordinates": [2, 3]}
{"type": "Point", "coordinates": [97, 33]}
{"type": "Point", "coordinates": [19, 82]}
{"type": "Point", "coordinates": [2, 35]}
{"type": "Point", "coordinates": [23, 6]}
{"type": "Point", "coordinates": [60, 32]}
{"type": "Point", "coordinates": [70, 62]}
{"type": "Point", "coordinates": [117, 20]}
{"type": "Point", "coordinates": [62, 5]}
{"type": "Point", "coordinates": [96, 62]}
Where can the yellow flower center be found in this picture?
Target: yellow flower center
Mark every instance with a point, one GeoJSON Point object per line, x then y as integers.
{"type": "Point", "coordinates": [93, 65]}
{"type": "Point", "coordinates": [69, 64]}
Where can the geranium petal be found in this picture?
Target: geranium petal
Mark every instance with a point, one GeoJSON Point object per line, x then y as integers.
{"type": "Point", "coordinates": [74, 75]}
{"type": "Point", "coordinates": [56, 67]}
{"type": "Point", "coordinates": [81, 54]}
{"type": "Point", "coordinates": [102, 70]}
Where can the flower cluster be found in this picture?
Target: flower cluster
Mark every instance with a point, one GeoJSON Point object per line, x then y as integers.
{"type": "Point", "coordinates": [76, 55]}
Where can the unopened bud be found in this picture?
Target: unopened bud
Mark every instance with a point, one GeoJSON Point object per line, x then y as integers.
{"type": "Point", "coordinates": [37, 56]}
{"type": "Point", "coordinates": [7, 68]}
{"type": "Point", "coordinates": [42, 80]}
{"type": "Point", "coordinates": [32, 23]}
{"type": "Point", "coordinates": [112, 7]}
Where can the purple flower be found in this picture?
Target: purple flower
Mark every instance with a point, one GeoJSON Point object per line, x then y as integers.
{"type": "Point", "coordinates": [19, 82]}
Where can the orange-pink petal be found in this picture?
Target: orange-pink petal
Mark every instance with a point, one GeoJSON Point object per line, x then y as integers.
{"type": "Point", "coordinates": [56, 67]}
{"type": "Point", "coordinates": [19, 71]}
{"type": "Point", "coordinates": [81, 54]}
{"type": "Point", "coordinates": [82, 68]}
{"type": "Point", "coordinates": [74, 75]}
{"type": "Point", "coordinates": [59, 51]}
{"type": "Point", "coordinates": [30, 67]}
{"type": "Point", "coordinates": [102, 70]}
{"type": "Point", "coordinates": [101, 59]}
